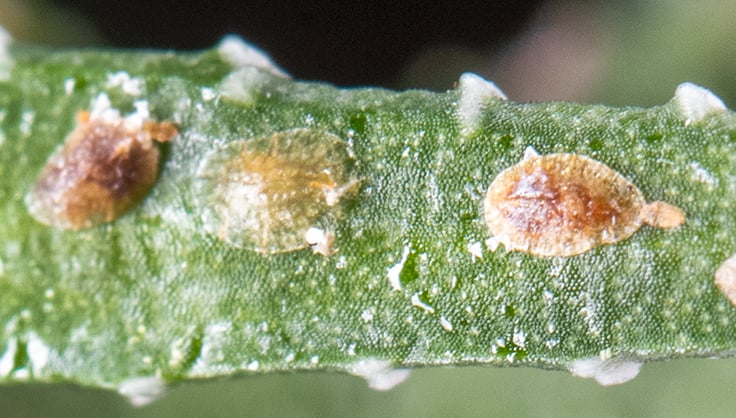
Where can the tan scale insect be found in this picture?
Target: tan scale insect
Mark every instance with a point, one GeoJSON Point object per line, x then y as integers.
{"type": "Point", "coordinates": [726, 279]}
{"type": "Point", "coordinates": [269, 194]}
{"type": "Point", "coordinates": [566, 204]}
{"type": "Point", "coordinates": [104, 168]}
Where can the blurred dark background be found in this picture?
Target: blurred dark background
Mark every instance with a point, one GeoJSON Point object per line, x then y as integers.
{"type": "Point", "coordinates": [348, 43]}
{"type": "Point", "coordinates": [627, 52]}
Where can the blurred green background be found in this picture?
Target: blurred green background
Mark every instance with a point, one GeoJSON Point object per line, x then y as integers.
{"type": "Point", "coordinates": [630, 52]}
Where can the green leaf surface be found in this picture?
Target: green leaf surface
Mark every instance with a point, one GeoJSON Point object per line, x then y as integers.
{"type": "Point", "coordinates": [408, 282]}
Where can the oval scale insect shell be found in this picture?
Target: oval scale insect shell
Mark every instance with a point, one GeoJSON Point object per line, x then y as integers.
{"type": "Point", "coordinates": [264, 194]}
{"type": "Point", "coordinates": [561, 205]}
{"type": "Point", "coordinates": [103, 169]}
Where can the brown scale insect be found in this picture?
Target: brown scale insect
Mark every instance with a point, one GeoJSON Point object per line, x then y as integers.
{"type": "Point", "coordinates": [103, 169]}
{"type": "Point", "coordinates": [566, 204]}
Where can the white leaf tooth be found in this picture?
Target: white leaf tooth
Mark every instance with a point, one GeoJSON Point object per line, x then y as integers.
{"type": "Point", "coordinates": [141, 391]}
{"type": "Point", "coordinates": [243, 85]}
{"type": "Point", "coordinates": [475, 91]}
{"type": "Point", "coordinates": [234, 50]}
{"type": "Point", "coordinates": [379, 373]}
{"type": "Point", "coordinates": [607, 372]}
{"type": "Point", "coordinates": [696, 102]}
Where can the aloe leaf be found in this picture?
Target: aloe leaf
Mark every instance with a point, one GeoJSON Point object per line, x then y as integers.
{"type": "Point", "coordinates": [401, 271]}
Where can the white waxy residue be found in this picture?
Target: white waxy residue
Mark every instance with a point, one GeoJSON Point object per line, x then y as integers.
{"type": "Point", "coordinates": [38, 357]}
{"type": "Point", "coordinates": [132, 86]}
{"type": "Point", "coordinates": [141, 391]}
{"type": "Point", "coordinates": [367, 315]}
{"type": "Point", "coordinates": [208, 94]}
{"type": "Point", "coordinates": [492, 244]}
{"type": "Point", "coordinates": [605, 371]}
{"type": "Point", "coordinates": [238, 53]}
{"type": "Point", "coordinates": [476, 250]}
{"type": "Point", "coordinates": [696, 102]}
{"type": "Point", "coordinates": [416, 301]}
{"type": "Point", "coordinates": [475, 91]}
{"type": "Point", "coordinates": [320, 240]}
{"type": "Point", "coordinates": [446, 324]}
{"type": "Point", "coordinates": [69, 85]}
{"type": "Point", "coordinates": [394, 272]}
{"type": "Point", "coordinates": [378, 373]}
{"type": "Point", "coordinates": [38, 352]}
{"type": "Point", "coordinates": [8, 358]}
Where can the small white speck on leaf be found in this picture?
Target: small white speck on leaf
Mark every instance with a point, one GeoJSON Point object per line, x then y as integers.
{"type": "Point", "coordinates": [320, 240]}
{"type": "Point", "coordinates": [701, 175]}
{"type": "Point", "coordinates": [519, 339]}
{"type": "Point", "coordinates": [696, 102]}
{"type": "Point", "coordinates": [141, 391]}
{"type": "Point", "coordinates": [208, 94]}
{"type": "Point", "coordinates": [476, 250]}
{"type": "Point", "coordinates": [69, 85]}
{"type": "Point", "coordinates": [475, 91]}
{"type": "Point", "coordinates": [492, 244]}
{"type": "Point", "coordinates": [607, 372]}
{"type": "Point", "coordinates": [446, 324]}
{"type": "Point", "coordinates": [378, 373]}
{"type": "Point", "coordinates": [367, 315]}
{"type": "Point", "coordinates": [132, 86]}
{"type": "Point", "coordinates": [238, 53]}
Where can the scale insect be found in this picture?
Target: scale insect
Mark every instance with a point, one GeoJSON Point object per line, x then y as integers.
{"type": "Point", "coordinates": [106, 166]}
{"type": "Point", "coordinates": [566, 204]}
{"type": "Point", "coordinates": [276, 193]}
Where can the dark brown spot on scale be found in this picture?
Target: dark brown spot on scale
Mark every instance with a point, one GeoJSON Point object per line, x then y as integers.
{"type": "Point", "coordinates": [103, 169]}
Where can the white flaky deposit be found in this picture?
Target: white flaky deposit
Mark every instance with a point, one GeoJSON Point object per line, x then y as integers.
{"type": "Point", "coordinates": [394, 272]}
{"type": "Point", "coordinates": [605, 371]}
{"type": "Point", "coordinates": [379, 374]}
{"type": "Point", "coordinates": [141, 391]}
{"type": "Point", "coordinates": [238, 53]}
{"type": "Point", "coordinates": [6, 62]}
{"type": "Point", "coordinates": [475, 91]}
{"type": "Point", "coordinates": [696, 102]}
{"type": "Point", "coordinates": [132, 86]}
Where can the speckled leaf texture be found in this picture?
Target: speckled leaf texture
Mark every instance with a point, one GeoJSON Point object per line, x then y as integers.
{"type": "Point", "coordinates": [409, 277]}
